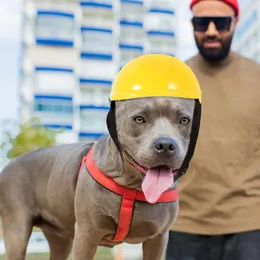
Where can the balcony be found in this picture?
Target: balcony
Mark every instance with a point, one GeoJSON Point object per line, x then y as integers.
{"type": "Point", "coordinates": [165, 5]}
{"type": "Point", "coordinates": [45, 3]}
{"type": "Point", "coordinates": [132, 33]}
{"type": "Point", "coordinates": [160, 20]}
{"type": "Point", "coordinates": [54, 80]}
{"type": "Point", "coordinates": [95, 92]}
{"type": "Point", "coordinates": [129, 52]}
{"type": "Point", "coordinates": [161, 42]}
{"type": "Point", "coordinates": [96, 65]}
{"type": "Point", "coordinates": [97, 41]}
{"type": "Point", "coordinates": [54, 111]}
{"type": "Point", "coordinates": [132, 11]}
{"type": "Point", "coordinates": [93, 119]}
{"type": "Point", "coordinates": [55, 28]}
{"type": "Point", "coordinates": [98, 13]}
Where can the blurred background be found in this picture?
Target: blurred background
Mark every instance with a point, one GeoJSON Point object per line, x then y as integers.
{"type": "Point", "coordinates": [59, 59]}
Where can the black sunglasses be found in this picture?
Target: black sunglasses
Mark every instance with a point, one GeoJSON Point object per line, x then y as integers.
{"type": "Point", "coordinates": [222, 23]}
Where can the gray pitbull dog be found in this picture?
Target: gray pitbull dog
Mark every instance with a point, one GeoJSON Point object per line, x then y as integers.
{"type": "Point", "coordinates": [44, 189]}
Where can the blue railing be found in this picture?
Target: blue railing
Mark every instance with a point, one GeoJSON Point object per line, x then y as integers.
{"type": "Point", "coordinates": [132, 2]}
{"type": "Point", "coordinates": [55, 13]}
{"type": "Point", "coordinates": [57, 126]}
{"type": "Point", "coordinates": [95, 29]}
{"type": "Point", "coordinates": [95, 81]}
{"type": "Point", "coordinates": [88, 134]}
{"type": "Point", "coordinates": [96, 56]}
{"type": "Point", "coordinates": [52, 97]}
{"type": "Point", "coordinates": [160, 33]}
{"type": "Point", "coordinates": [131, 24]}
{"type": "Point", "coordinates": [54, 69]}
{"type": "Point", "coordinates": [95, 5]}
{"type": "Point", "coordinates": [94, 107]}
{"type": "Point", "coordinates": [131, 47]}
{"type": "Point", "coordinates": [54, 42]}
{"type": "Point", "coordinates": [162, 11]}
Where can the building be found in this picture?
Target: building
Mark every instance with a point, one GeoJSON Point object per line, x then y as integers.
{"type": "Point", "coordinates": [247, 37]}
{"type": "Point", "coordinates": [186, 45]}
{"type": "Point", "coordinates": [72, 50]}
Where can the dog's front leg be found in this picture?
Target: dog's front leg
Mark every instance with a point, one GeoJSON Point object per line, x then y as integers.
{"type": "Point", "coordinates": [85, 243]}
{"type": "Point", "coordinates": [154, 249]}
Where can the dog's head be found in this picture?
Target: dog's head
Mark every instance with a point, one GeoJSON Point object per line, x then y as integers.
{"type": "Point", "coordinates": [154, 136]}
{"type": "Point", "coordinates": [155, 132]}
{"type": "Point", "coordinates": [154, 119]}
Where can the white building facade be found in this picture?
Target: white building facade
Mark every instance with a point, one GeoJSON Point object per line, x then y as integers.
{"type": "Point", "coordinates": [247, 36]}
{"type": "Point", "coordinates": [72, 51]}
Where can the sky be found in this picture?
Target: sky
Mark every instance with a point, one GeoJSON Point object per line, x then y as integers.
{"type": "Point", "coordinates": [9, 53]}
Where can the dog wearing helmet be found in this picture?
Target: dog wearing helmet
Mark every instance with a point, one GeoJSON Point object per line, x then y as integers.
{"type": "Point", "coordinates": [121, 188]}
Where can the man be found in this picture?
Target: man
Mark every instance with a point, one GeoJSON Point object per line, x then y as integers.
{"type": "Point", "coordinates": [219, 217]}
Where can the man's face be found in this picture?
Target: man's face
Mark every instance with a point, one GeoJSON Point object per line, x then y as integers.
{"type": "Point", "coordinates": [214, 23]}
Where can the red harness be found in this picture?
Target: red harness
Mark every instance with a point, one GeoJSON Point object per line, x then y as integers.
{"type": "Point", "coordinates": [129, 196]}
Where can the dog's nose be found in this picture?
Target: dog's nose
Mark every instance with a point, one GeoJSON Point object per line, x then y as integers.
{"type": "Point", "coordinates": [164, 145]}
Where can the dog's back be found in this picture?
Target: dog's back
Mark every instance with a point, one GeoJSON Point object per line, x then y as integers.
{"type": "Point", "coordinates": [30, 180]}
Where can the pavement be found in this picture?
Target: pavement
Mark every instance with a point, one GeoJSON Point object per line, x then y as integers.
{"type": "Point", "coordinates": [39, 244]}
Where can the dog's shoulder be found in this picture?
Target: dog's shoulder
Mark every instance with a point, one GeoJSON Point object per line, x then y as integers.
{"type": "Point", "coordinates": [47, 158]}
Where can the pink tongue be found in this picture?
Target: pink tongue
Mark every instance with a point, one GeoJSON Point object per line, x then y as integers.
{"type": "Point", "coordinates": [156, 181]}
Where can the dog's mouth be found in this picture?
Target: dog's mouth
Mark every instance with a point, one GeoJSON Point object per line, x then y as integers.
{"type": "Point", "coordinates": [156, 180]}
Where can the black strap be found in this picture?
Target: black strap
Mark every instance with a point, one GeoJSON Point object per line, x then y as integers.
{"type": "Point", "coordinates": [111, 124]}
{"type": "Point", "coordinates": [193, 140]}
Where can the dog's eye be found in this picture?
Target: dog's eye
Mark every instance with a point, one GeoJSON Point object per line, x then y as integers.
{"type": "Point", "coordinates": [139, 119]}
{"type": "Point", "coordinates": [185, 120]}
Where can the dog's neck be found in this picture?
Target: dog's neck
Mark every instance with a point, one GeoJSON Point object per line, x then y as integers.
{"type": "Point", "coordinates": [111, 163]}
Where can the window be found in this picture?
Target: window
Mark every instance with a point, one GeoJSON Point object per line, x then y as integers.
{"type": "Point", "coordinates": [162, 42]}
{"type": "Point", "coordinates": [97, 14]}
{"type": "Point", "coordinates": [93, 119]}
{"type": "Point", "coordinates": [61, 108]}
{"type": "Point", "coordinates": [132, 11]}
{"type": "Point", "coordinates": [91, 68]}
{"type": "Point", "coordinates": [55, 25]}
{"type": "Point", "coordinates": [54, 80]}
{"type": "Point", "coordinates": [97, 40]}
{"type": "Point", "coordinates": [132, 33]}
{"type": "Point", "coordinates": [165, 4]}
{"type": "Point", "coordinates": [245, 24]}
{"type": "Point", "coordinates": [160, 20]}
{"type": "Point", "coordinates": [95, 92]}
{"type": "Point", "coordinates": [57, 105]}
{"type": "Point", "coordinates": [129, 52]}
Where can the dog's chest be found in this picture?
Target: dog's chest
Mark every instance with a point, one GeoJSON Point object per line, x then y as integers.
{"type": "Point", "coordinates": [147, 220]}
{"type": "Point", "coordinates": [150, 220]}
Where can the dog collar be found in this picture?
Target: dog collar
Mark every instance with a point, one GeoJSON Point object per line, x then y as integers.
{"type": "Point", "coordinates": [129, 196]}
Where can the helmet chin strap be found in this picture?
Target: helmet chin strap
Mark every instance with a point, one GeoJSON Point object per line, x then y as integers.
{"type": "Point", "coordinates": [111, 125]}
{"type": "Point", "coordinates": [193, 140]}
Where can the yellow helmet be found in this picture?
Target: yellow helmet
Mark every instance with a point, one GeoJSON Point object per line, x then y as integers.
{"type": "Point", "coordinates": [154, 75]}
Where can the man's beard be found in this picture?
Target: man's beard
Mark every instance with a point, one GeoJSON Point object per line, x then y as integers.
{"type": "Point", "coordinates": [214, 54]}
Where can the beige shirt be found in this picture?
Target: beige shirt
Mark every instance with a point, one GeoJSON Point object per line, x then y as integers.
{"type": "Point", "coordinates": [220, 193]}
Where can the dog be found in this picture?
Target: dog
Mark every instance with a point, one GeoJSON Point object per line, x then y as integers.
{"type": "Point", "coordinates": [52, 188]}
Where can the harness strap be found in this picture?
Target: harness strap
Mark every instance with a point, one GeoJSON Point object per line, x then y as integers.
{"type": "Point", "coordinates": [129, 196]}
{"type": "Point", "coordinates": [125, 215]}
